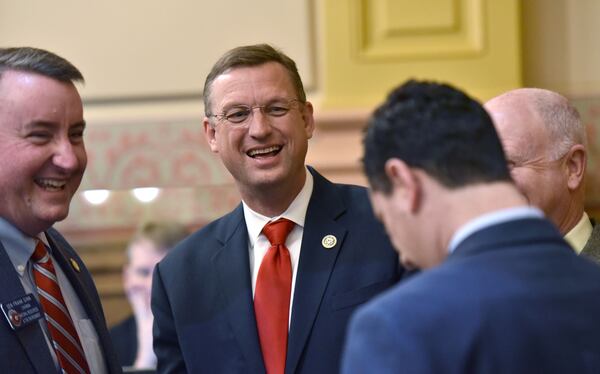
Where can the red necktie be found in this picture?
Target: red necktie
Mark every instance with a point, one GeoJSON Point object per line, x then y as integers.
{"type": "Point", "coordinates": [64, 336]}
{"type": "Point", "coordinates": [272, 296]}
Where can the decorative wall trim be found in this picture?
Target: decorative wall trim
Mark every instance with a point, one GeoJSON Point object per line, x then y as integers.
{"type": "Point", "coordinates": [395, 29]}
{"type": "Point", "coordinates": [401, 29]}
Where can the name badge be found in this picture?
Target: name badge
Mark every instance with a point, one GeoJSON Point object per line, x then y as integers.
{"type": "Point", "coordinates": [22, 311]}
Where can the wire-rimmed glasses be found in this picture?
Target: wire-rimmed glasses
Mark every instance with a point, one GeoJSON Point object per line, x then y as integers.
{"type": "Point", "coordinates": [239, 115]}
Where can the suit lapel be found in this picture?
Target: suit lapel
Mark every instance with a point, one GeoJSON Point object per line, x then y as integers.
{"type": "Point", "coordinates": [592, 246]}
{"type": "Point", "coordinates": [315, 266]}
{"type": "Point", "coordinates": [31, 337]}
{"type": "Point", "coordinates": [232, 267]}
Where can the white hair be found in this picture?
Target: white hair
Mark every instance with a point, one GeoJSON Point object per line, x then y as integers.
{"type": "Point", "coordinates": [562, 120]}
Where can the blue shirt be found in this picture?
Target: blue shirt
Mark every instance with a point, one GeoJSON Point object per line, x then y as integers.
{"type": "Point", "coordinates": [19, 249]}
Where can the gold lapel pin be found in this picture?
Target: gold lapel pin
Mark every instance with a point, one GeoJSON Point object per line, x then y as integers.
{"type": "Point", "coordinates": [329, 241]}
{"type": "Point", "coordinates": [75, 265]}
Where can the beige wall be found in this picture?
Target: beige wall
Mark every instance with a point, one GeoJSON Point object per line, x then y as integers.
{"type": "Point", "coordinates": [150, 48]}
{"type": "Point", "coordinates": [561, 53]}
{"type": "Point", "coordinates": [561, 46]}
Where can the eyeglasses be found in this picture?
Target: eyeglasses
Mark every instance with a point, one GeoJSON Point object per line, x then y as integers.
{"type": "Point", "coordinates": [239, 115]}
{"type": "Point", "coordinates": [545, 163]}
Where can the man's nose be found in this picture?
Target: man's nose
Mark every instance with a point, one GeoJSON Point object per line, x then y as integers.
{"type": "Point", "coordinates": [259, 124]}
{"type": "Point", "coordinates": [66, 156]}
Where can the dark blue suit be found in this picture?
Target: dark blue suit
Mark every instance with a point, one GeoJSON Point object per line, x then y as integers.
{"type": "Point", "coordinates": [125, 340]}
{"type": "Point", "coordinates": [512, 298]}
{"type": "Point", "coordinates": [202, 295]}
{"type": "Point", "coordinates": [26, 351]}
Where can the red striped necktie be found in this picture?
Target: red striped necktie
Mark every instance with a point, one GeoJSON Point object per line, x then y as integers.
{"type": "Point", "coordinates": [272, 296]}
{"type": "Point", "coordinates": [64, 336]}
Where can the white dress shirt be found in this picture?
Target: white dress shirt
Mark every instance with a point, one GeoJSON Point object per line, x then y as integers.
{"type": "Point", "coordinates": [580, 234]}
{"type": "Point", "coordinates": [493, 218]}
{"type": "Point", "coordinates": [258, 244]}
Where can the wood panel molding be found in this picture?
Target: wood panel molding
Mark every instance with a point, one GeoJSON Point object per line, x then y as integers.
{"type": "Point", "coordinates": [401, 29]}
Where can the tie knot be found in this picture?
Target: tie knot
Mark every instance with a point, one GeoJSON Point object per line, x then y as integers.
{"type": "Point", "coordinates": [40, 253]}
{"type": "Point", "coordinates": [278, 231]}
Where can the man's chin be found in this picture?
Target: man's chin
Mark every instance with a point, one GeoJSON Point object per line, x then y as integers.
{"type": "Point", "coordinates": [33, 226]}
{"type": "Point", "coordinates": [266, 180]}
{"type": "Point", "coordinates": [53, 215]}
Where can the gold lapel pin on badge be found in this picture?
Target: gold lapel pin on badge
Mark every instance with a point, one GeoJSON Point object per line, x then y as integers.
{"type": "Point", "coordinates": [75, 265]}
{"type": "Point", "coordinates": [329, 241]}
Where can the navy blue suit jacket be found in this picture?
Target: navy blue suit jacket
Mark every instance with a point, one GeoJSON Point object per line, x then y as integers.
{"type": "Point", "coordinates": [26, 351]}
{"type": "Point", "coordinates": [512, 298]}
{"type": "Point", "coordinates": [202, 295]}
{"type": "Point", "coordinates": [125, 340]}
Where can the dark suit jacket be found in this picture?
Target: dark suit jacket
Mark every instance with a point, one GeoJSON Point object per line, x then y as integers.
{"type": "Point", "coordinates": [592, 246]}
{"type": "Point", "coordinates": [26, 351]}
{"type": "Point", "coordinates": [124, 337]}
{"type": "Point", "coordinates": [512, 298]}
{"type": "Point", "coordinates": [202, 295]}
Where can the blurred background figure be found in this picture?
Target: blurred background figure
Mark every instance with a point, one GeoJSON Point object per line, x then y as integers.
{"type": "Point", "coordinates": [546, 148]}
{"type": "Point", "coordinates": [133, 336]}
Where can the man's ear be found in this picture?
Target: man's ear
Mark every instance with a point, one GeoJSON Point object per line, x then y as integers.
{"type": "Point", "coordinates": [309, 120]}
{"type": "Point", "coordinates": [575, 163]}
{"type": "Point", "coordinates": [405, 182]}
{"type": "Point", "coordinates": [210, 135]}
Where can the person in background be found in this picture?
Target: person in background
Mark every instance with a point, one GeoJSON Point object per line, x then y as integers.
{"type": "Point", "coordinates": [500, 291]}
{"type": "Point", "coordinates": [270, 286]}
{"type": "Point", "coordinates": [52, 320]}
{"type": "Point", "coordinates": [545, 144]}
{"type": "Point", "coordinates": [133, 336]}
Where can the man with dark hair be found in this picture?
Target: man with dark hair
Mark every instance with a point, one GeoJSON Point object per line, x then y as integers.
{"type": "Point", "coordinates": [54, 320]}
{"type": "Point", "coordinates": [270, 286]}
{"type": "Point", "coordinates": [500, 291]}
{"type": "Point", "coordinates": [133, 336]}
{"type": "Point", "coordinates": [546, 147]}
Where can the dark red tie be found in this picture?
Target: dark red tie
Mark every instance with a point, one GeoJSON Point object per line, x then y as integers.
{"type": "Point", "coordinates": [64, 336]}
{"type": "Point", "coordinates": [272, 296]}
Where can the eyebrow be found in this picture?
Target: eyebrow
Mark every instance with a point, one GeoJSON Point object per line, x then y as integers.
{"type": "Point", "coordinates": [49, 124]}
{"type": "Point", "coordinates": [79, 124]}
{"type": "Point", "coordinates": [235, 104]}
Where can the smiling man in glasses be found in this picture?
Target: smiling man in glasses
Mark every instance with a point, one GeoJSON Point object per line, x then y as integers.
{"type": "Point", "coordinates": [545, 144]}
{"type": "Point", "coordinates": [270, 286]}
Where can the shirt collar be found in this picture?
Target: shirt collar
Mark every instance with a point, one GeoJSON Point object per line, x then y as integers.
{"type": "Point", "coordinates": [580, 234]}
{"type": "Point", "coordinates": [18, 246]}
{"type": "Point", "coordinates": [296, 212]}
{"type": "Point", "coordinates": [493, 218]}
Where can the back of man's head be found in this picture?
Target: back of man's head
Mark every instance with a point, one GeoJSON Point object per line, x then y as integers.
{"type": "Point", "coordinates": [436, 128]}
{"type": "Point", "coordinates": [35, 60]}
